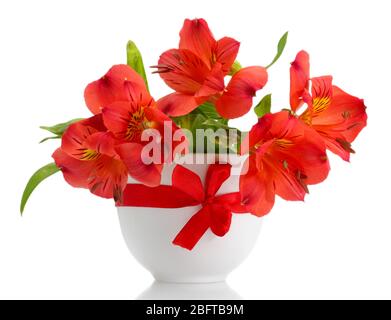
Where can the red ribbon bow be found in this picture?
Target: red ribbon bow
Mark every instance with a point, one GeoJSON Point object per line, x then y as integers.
{"type": "Point", "coordinates": [187, 190]}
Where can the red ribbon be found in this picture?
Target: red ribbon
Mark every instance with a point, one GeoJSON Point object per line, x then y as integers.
{"type": "Point", "coordinates": [187, 190]}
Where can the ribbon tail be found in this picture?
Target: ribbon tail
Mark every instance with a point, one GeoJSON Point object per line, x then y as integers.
{"type": "Point", "coordinates": [220, 221]}
{"type": "Point", "coordinates": [193, 231]}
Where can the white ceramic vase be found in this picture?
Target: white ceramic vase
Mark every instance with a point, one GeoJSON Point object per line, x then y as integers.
{"type": "Point", "coordinates": [149, 232]}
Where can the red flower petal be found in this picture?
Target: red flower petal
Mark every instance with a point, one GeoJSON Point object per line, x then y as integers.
{"type": "Point", "coordinates": [128, 121]}
{"type": "Point", "coordinates": [177, 104]}
{"type": "Point", "coordinates": [108, 178]}
{"type": "Point", "coordinates": [287, 183]}
{"type": "Point", "coordinates": [322, 93]}
{"type": "Point", "coordinates": [300, 75]}
{"type": "Point", "coordinates": [340, 124]}
{"type": "Point", "coordinates": [76, 172]}
{"type": "Point", "coordinates": [213, 84]}
{"type": "Point", "coordinates": [352, 110]}
{"type": "Point", "coordinates": [88, 160]}
{"type": "Point", "coordinates": [137, 93]}
{"type": "Point", "coordinates": [256, 134]}
{"type": "Point", "coordinates": [84, 142]}
{"type": "Point", "coordinates": [105, 176]}
{"type": "Point", "coordinates": [154, 115]}
{"type": "Point", "coordinates": [189, 182]}
{"type": "Point", "coordinates": [340, 146]}
{"type": "Point", "coordinates": [297, 150]}
{"type": "Point", "coordinates": [102, 143]}
{"type": "Point", "coordinates": [238, 98]}
{"type": "Point", "coordinates": [257, 190]}
{"type": "Point", "coordinates": [124, 120]}
{"type": "Point", "coordinates": [337, 116]}
{"type": "Point", "coordinates": [133, 157]}
{"type": "Point", "coordinates": [95, 122]}
{"type": "Point", "coordinates": [197, 37]}
{"type": "Point", "coordinates": [74, 140]}
{"type": "Point", "coordinates": [313, 160]}
{"type": "Point", "coordinates": [226, 51]}
{"type": "Point", "coordinates": [300, 149]}
{"type": "Point", "coordinates": [182, 70]}
{"type": "Point", "coordinates": [320, 101]}
{"type": "Point", "coordinates": [111, 88]}
{"type": "Point", "coordinates": [286, 156]}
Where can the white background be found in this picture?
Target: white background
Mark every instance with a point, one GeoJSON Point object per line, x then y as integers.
{"type": "Point", "coordinates": [68, 244]}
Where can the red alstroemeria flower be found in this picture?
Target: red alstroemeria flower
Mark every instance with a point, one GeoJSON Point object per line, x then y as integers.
{"type": "Point", "coordinates": [285, 157]}
{"type": "Point", "coordinates": [120, 83]}
{"type": "Point", "coordinates": [127, 121]}
{"type": "Point", "coordinates": [128, 109]}
{"type": "Point", "coordinates": [337, 116]}
{"type": "Point", "coordinates": [87, 159]}
{"type": "Point", "coordinates": [196, 72]}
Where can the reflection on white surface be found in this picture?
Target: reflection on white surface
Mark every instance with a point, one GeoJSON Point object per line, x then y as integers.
{"type": "Point", "coordinates": [185, 291]}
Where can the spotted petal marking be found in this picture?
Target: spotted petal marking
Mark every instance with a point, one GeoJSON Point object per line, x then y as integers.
{"type": "Point", "coordinates": [322, 94]}
{"type": "Point", "coordinates": [137, 123]}
{"type": "Point", "coordinates": [320, 104]}
{"type": "Point", "coordinates": [88, 154]}
{"type": "Point", "coordinates": [284, 143]}
{"type": "Point", "coordinates": [320, 100]}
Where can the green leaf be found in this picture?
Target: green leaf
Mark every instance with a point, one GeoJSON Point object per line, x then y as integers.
{"type": "Point", "coordinates": [205, 111]}
{"type": "Point", "coordinates": [206, 117]}
{"type": "Point", "coordinates": [35, 180]}
{"type": "Point", "coordinates": [230, 141]}
{"type": "Point", "coordinates": [191, 122]}
{"type": "Point", "coordinates": [196, 122]}
{"type": "Point", "coordinates": [280, 49]}
{"type": "Point", "coordinates": [236, 66]}
{"type": "Point", "coordinates": [60, 128]}
{"type": "Point", "coordinates": [49, 138]}
{"type": "Point", "coordinates": [135, 60]}
{"type": "Point", "coordinates": [213, 123]}
{"type": "Point", "coordinates": [264, 106]}
{"type": "Point", "coordinates": [208, 110]}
